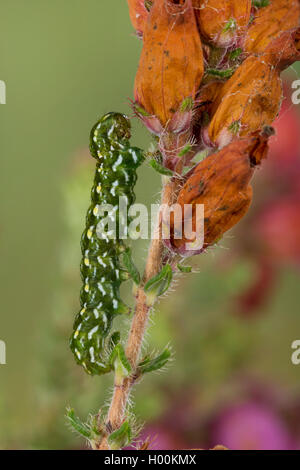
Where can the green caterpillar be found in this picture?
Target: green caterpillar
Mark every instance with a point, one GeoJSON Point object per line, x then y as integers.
{"type": "Point", "coordinates": [101, 268]}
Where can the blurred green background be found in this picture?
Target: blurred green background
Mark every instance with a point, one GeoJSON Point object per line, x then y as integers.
{"type": "Point", "coordinates": [65, 64]}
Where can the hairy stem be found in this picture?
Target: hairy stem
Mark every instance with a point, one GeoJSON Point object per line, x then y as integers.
{"type": "Point", "coordinates": [139, 323]}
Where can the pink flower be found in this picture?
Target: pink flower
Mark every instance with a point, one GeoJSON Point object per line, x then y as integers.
{"type": "Point", "coordinates": [252, 426]}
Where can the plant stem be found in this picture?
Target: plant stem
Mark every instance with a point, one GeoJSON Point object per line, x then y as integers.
{"type": "Point", "coordinates": [139, 323]}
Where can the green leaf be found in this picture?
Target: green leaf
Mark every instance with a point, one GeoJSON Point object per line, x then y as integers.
{"type": "Point", "coordinates": [150, 365]}
{"type": "Point", "coordinates": [186, 149]}
{"type": "Point", "coordinates": [80, 427]}
{"type": "Point", "coordinates": [131, 267]}
{"type": "Point", "coordinates": [120, 363]}
{"type": "Point", "coordinates": [121, 437]}
{"type": "Point", "coordinates": [159, 168]}
{"type": "Point", "coordinates": [184, 269]}
{"type": "Point", "coordinates": [160, 283]}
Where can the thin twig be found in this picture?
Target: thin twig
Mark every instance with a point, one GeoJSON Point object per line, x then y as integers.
{"type": "Point", "coordinates": [122, 392]}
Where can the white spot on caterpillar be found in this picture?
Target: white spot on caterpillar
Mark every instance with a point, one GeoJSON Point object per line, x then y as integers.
{"type": "Point", "coordinates": [78, 354]}
{"type": "Point", "coordinates": [100, 287]}
{"type": "Point", "coordinates": [92, 332]}
{"type": "Point", "coordinates": [126, 175]}
{"type": "Point", "coordinates": [113, 189]}
{"type": "Point", "coordinates": [96, 313]}
{"type": "Point", "coordinates": [99, 259]}
{"type": "Point", "coordinates": [89, 233]}
{"type": "Point", "coordinates": [100, 364]}
{"type": "Point", "coordinates": [115, 304]}
{"type": "Point", "coordinates": [104, 318]}
{"type": "Point", "coordinates": [117, 163]}
{"type": "Point", "coordinates": [86, 288]}
{"type": "Point", "coordinates": [92, 354]}
{"type": "Point", "coordinates": [134, 156]}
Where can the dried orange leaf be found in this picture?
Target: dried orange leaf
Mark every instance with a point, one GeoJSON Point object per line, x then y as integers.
{"type": "Point", "coordinates": [171, 64]}
{"type": "Point", "coordinates": [269, 22]}
{"type": "Point", "coordinates": [138, 14]}
{"type": "Point", "coordinates": [222, 22]}
{"type": "Point", "coordinates": [221, 182]}
{"type": "Point", "coordinates": [248, 101]}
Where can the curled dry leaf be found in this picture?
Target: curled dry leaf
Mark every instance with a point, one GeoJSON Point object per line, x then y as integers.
{"type": "Point", "coordinates": [269, 22]}
{"type": "Point", "coordinates": [221, 182]}
{"type": "Point", "coordinates": [249, 100]}
{"type": "Point", "coordinates": [222, 22]}
{"type": "Point", "coordinates": [171, 65]}
{"type": "Point", "coordinates": [284, 50]}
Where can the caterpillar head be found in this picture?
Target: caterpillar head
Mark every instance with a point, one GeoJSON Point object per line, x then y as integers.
{"type": "Point", "coordinates": [111, 129]}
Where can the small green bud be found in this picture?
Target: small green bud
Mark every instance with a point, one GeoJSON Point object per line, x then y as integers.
{"type": "Point", "coordinates": [158, 284]}
{"type": "Point", "coordinates": [120, 364]}
{"type": "Point", "coordinates": [187, 104]}
{"type": "Point", "coordinates": [230, 25]}
{"type": "Point", "coordinates": [235, 127]}
{"type": "Point", "coordinates": [121, 437]}
{"type": "Point", "coordinates": [184, 269]}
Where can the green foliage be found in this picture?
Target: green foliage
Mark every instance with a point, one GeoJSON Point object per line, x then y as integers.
{"type": "Point", "coordinates": [160, 283]}
{"type": "Point", "coordinates": [184, 269]}
{"type": "Point", "coordinates": [81, 428]}
{"type": "Point", "coordinates": [131, 267]}
{"type": "Point", "coordinates": [120, 363]}
{"type": "Point", "coordinates": [121, 437]}
{"type": "Point", "coordinates": [160, 168]}
{"type": "Point", "coordinates": [230, 25]}
{"type": "Point", "coordinates": [152, 364]}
